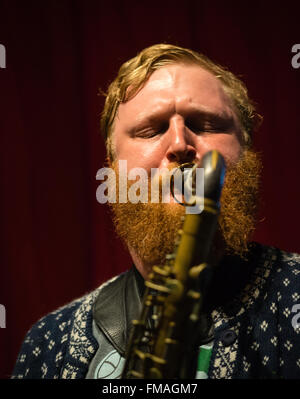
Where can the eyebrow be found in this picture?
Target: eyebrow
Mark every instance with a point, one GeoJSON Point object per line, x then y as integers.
{"type": "Point", "coordinates": [196, 113]}
{"type": "Point", "coordinates": [205, 111]}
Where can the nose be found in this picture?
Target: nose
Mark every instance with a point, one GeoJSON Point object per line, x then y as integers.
{"type": "Point", "coordinates": [181, 148]}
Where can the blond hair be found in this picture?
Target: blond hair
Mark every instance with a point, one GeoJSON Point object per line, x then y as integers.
{"type": "Point", "coordinates": [134, 73]}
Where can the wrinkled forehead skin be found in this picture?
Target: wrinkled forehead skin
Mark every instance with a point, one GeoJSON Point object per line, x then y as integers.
{"type": "Point", "coordinates": [173, 85]}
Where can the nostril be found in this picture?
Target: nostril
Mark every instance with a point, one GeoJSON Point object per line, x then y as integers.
{"type": "Point", "coordinates": [172, 157]}
{"type": "Point", "coordinates": [188, 155]}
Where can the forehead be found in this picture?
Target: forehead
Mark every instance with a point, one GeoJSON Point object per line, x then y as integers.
{"type": "Point", "coordinates": [173, 88]}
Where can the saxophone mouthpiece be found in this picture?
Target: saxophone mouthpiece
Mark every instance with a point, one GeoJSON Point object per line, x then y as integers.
{"type": "Point", "coordinates": [181, 183]}
{"type": "Point", "coordinates": [184, 179]}
{"type": "Point", "coordinates": [214, 175]}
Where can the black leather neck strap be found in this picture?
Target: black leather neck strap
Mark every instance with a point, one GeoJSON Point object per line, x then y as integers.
{"type": "Point", "coordinates": [118, 303]}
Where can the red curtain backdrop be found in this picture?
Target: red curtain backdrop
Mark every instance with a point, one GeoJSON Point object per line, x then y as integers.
{"type": "Point", "coordinates": [57, 242]}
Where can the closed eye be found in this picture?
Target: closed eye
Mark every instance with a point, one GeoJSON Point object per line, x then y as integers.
{"type": "Point", "coordinates": [210, 125]}
{"type": "Point", "coordinates": [151, 131]}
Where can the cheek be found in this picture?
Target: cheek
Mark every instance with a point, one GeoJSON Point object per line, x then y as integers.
{"type": "Point", "coordinates": [228, 145]}
{"type": "Point", "coordinates": [139, 153]}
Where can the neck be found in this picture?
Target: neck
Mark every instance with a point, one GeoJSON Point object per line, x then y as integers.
{"type": "Point", "coordinates": [139, 264]}
{"type": "Point", "coordinates": [215, 257]}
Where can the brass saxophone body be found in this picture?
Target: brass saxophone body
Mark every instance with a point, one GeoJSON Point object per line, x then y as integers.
{"type": "Point", "coordinates": [164, 341]}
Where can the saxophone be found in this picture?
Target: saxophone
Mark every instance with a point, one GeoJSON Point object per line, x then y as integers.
{"type": "Point", "coordinates": [164, 340]}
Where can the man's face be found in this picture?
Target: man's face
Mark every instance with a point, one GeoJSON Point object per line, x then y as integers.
{"type": "Point", "coordinates": [181, 113]}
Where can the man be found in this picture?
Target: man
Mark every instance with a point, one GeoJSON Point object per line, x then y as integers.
{"type": "Point", "coordinates": [169, 106]}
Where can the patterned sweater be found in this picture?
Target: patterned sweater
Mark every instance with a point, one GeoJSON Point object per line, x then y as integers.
{"type": "Point", "coordinates": [257, 332]}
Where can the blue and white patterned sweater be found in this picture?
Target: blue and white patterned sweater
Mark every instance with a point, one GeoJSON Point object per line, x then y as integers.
{"type": "Point", "coordinates": [256, 336]}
